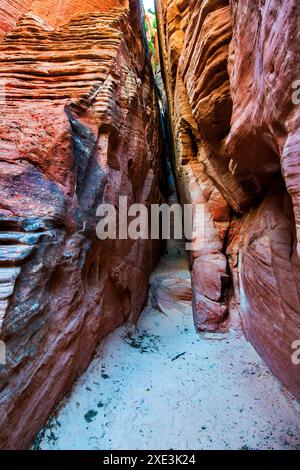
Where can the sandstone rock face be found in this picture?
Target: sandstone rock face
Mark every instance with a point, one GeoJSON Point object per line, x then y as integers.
{"type": "Point", "coordinates": [264, 146]}
{"type": "Point", "coordinates": [10, 12]}
{"type": "Point", "coordinates": [78, 128]}
{"type": "Point", "coordinates": [229, 70]}
{"type": "Point", "coordinates": [194, 39]}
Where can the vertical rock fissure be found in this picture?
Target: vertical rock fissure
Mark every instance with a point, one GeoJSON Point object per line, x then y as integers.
{"type": "Point", "coordinates": [195, 148]}
{"type": "Point", "coordinates": [97, 104]}
{"type": "Point", "coordinates": [165, 127]}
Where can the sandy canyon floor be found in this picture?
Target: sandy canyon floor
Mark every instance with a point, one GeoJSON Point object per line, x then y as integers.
{"type": "Point", "coordinates": [163, 386]}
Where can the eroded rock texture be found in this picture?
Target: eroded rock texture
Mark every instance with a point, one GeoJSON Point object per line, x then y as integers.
{"type": "Point", "coordinates": [78, 128]}
{"type": "Point", "coordinates": [229, 69]}
{"type": "Point", "coordinates": [264, 148]}
{"type": "Point", "coordinates": [194, 39]}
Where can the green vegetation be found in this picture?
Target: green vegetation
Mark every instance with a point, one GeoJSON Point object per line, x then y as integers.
{"type": "Point", "coordinates": [151, 47]}
{"type": "Point", "coordinates": [151, 31]}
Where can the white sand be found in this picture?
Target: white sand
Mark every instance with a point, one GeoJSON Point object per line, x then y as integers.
{"type": "Point", "coordinates": [217, 395]}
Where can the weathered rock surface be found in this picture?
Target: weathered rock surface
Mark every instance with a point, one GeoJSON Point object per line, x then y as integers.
{"type": "Point", "coordinates": [263, 145]}
{"type": "Point", "coordinates": [229, 70]}
{"type": "Point", "coordinates": [194, 40]}
{"type": "Point", "coordinates": [10, 12]}
{"type": "Point", "coordinates": [78, 128]}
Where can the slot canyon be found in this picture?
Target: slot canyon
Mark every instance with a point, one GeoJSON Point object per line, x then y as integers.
{"type": "Point", "coordinates": [139, 343]}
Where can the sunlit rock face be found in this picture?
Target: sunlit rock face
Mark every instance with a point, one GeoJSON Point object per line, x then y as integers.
{"type": "Point", "coordinates": [78, 128]}
{"type": "Point", "coordinates": [229, 70]}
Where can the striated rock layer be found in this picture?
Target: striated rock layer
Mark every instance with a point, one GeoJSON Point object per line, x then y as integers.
{"type": "Point", "coordinates": [264, 147]}
{"type": "Point", "coordinates": [78, 127]}
{"type": "Point", "coordinates": [194, 38]}
{"type": "Point", "coordinates": [229, 70]}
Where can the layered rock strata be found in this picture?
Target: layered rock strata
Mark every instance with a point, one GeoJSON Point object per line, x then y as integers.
{"type": "Point", "coordinates": [194, 39]}
{"type": "Point", "coordinates": [263, 147]}
{"type": "Point", "coordinates": [79, 127]}
{"type": "Point", "coordinates": [230, 70]}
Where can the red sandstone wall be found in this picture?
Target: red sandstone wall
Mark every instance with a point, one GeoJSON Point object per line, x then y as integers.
{"type": "Point", "coordinates": [264, 148]}
{"type": "Point", "coordinates": [229, 69]}
{"type": "Point", "coordinates": [56, 12]}
{"type": "Point", "coordinates": [78, 128]}
{"type": "Point", "coordinates": [10, 12]}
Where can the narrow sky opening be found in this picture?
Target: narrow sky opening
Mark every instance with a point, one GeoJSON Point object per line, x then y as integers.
{"type": "Point", "coordinates": [149, 4]}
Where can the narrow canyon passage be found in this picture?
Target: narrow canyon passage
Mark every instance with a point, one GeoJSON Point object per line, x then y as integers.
{"type": "Point", "coordinates": [163, 386]}
{"type": "Point", "coordinates": [112, 112]}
